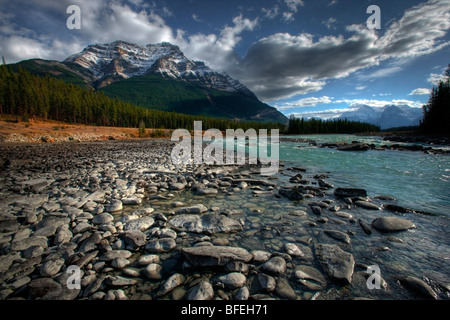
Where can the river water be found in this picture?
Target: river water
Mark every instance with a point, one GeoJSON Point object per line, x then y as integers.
{"type": "Point", "coordinates": [417, 180]}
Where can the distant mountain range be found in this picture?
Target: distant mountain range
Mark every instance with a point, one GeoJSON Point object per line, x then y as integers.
{"type": "Point", "coordinates": [389, 116]}
{"type": "Point", "coordinates": [157, 76]}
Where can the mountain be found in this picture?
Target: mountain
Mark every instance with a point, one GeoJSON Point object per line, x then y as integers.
{"type": "Point", "coordinates": [158, 76]}
{"type": "Point", "coordinates": [389, 116]}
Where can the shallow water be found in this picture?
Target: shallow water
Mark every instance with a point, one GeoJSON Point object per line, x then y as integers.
{"type": "Point", "coordinates": [418, 180]}
{"type": "Point", "coordinates": [424, 252]}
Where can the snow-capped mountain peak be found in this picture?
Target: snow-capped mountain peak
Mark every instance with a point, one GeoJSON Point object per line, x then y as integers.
{"type": "Point", "coordinates": [122, 60]}
{"type": "Point", "coordinates": [388, 116]}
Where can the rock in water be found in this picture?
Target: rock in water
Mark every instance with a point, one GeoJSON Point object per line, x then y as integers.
{"type": "Point", "coordinates": [135, 238]}
{"type": "Point", "coordinates": [367, 205]}
{"type": "Point", "coordinates": [215, 255]}
{"type": "Point", "coordinates": [202, 291]}
{"type": "Point", "coordinates": [284, 290]}
{"type": "Point", "coordinates": [337, 263]}
{"type": "Point", "coordinates": [354, 147]}
{"type": "Point", "coordinates": [275, 265]}
{"type": "Point", "coordinates": [174, 281]}
{"type": "Point", "coordinates": [338, 235]}
{"type": "Point", "coordinates": [292, 194]}
{"type": "Point", "coordinates": [115, 205]}
{"type": "Point", "coordinates": [392, 224]}
{"type": "Point", "coordinates": [233, 280]}
{"type": "Point", "coordinates": [160, 245]}
{"type": "Point", "coordinates": [419, 286]}
{"type": "Point", "coordinates": [365, 227]}
{"type": "Point", "coordinates": [349, 193]}
{"type": "Point", "coordinates": [208, 223]}
{"type": "Point", "coordinates": [293, 250]}
{"type": "Point", "coordinates": [198, 208]}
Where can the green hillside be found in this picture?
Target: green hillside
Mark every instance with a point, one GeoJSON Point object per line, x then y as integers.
{"type": "Point", "coordinates": [68, 72]}
{"type": "Point", "coordinates": [153, 91]}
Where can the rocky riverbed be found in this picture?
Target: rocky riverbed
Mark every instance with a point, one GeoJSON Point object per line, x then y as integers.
{"type": "Point", "coordinates": [137, 227]}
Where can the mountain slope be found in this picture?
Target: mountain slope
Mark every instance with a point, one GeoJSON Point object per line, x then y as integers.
{"type": "Point", "coordinates": [68, 72]}
{"type": "Point", "coordinates": [153, 91]}
{"type": "Point", "coordinates": [158, 76]}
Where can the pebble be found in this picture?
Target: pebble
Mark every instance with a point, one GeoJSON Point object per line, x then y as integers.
{"type": "Point", "coordinates": [202, 291]}
{"type": "Point", "coordinates": [275, 265]}
{"type": "Point", "coordinates": [233, 280]}
{"type": "Point", "coordinates": [153, 271]}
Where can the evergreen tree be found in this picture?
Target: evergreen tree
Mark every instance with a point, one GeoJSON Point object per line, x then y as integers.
{"type": "Point", "coordinates": [436, 113]}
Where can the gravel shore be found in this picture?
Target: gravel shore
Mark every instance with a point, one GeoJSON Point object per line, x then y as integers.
{"type": "Point", "coordinates": [111, 210]}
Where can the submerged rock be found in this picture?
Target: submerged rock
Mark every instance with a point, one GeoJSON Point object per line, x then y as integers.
{"type": "Point", "coordinates": [202, 291]}
{"type": "Point", "coordinates": [367, 205]}
{"type": "Point", "coordinates": [419, 287]}
{"type": "Point", "coordinates": [392, 224]}
{"type": "Point", "coordinates": [198, 208]}
{"type": "Point", "coordinates": [275, 265]}
{"type": "Point", "coordinates": [215, 255]}
{"type": "Point", "coordinates": [354, 147]}
{"type": "Point", "coordinates": [349, 192]}
{"type": "Point", "coordinates": [337, 263]}
{"type": "Point", "coordinates": [338, 235]}
{"type": "Point", "coordinates": [210, 223]}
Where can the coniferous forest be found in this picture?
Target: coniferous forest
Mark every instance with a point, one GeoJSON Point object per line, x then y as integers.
{"type": "Point", "coordinates": [343, 126]}
{"type": "Point", "coordinates": [27, 95]}
{"type": "Point", "coordinates": [437, 111]}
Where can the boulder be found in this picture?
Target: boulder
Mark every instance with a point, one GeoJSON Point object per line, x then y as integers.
{"type": "Point", "coordinates": [392, 224]}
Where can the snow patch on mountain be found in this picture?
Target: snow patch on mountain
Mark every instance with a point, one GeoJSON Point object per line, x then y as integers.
{"type": "Point", "coordinates": [121, 59]}
{"type": "Point", "coordinates": [389, 116]}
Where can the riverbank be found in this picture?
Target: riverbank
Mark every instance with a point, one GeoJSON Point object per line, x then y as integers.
{"type": "Point", "coordinates": [140, 228]}
{"type": "Point", "coordinates": [410, 137]}
{"type": "Point", "coordinates": [39, 131]}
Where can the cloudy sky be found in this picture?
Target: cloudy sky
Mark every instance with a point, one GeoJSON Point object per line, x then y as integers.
{"type": "Point", "coordinates": [310, 57]}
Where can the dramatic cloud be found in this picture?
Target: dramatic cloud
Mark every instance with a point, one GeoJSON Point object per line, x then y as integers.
{"type": "Point", "coordinates": [217, 51]}
{"type": "Point", "coordinates": [101, 22]}
{"type": "Point", "coordinates": [305, 102]}
{"type": "Point", "coordinates": [277, 66]}
{"type": "Point", "coordinates": [420, 91]}
{"type": "Point", "coordinates": [302, 58]}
